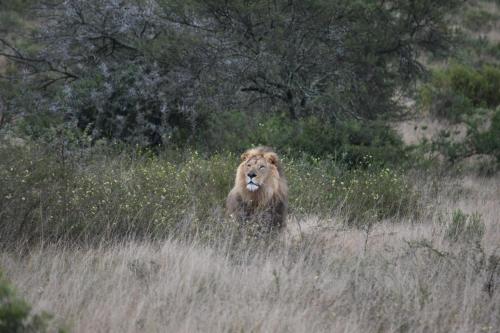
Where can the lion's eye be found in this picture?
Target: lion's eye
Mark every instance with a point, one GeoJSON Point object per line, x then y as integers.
{"type": "Point", "coordinates": [248, 165]}
{"type": "Point", "coordinates": [262, 167]}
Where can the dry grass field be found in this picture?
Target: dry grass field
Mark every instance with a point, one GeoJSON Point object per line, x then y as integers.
{"type": "Point", "coordinates": [318, 277]}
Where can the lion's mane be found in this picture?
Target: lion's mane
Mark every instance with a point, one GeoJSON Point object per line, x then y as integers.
{"type": "Point", "coordinates": [266, 206]}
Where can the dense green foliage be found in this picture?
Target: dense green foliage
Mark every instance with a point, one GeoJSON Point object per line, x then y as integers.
{"type": "Point", "coordinates": [455, 91]}
{"type": "Point", "coordinates": [150, 73]}
{"type": "Point", "coordinates": [98, 193]}
{"type": "Point", "coordinates": [347, 141]}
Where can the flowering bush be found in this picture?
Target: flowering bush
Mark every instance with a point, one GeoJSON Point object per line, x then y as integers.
{"type": "Point", "coordinates": [369, 196]}
{"type": "Point", "coordinates": [107, 195]}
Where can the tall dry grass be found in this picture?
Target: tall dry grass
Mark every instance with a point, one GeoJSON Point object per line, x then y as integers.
{"type": "Point", "coordinates": [318, 277]}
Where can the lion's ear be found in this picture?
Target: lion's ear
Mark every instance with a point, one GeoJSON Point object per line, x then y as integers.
{"type": "Point", "coordinates": [244, 156]}
{"type": "Point", "coordinates": [272, 158]}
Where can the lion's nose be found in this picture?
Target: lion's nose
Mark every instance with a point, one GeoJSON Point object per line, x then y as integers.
{"type": "Point", "coordinates": [251, 174]}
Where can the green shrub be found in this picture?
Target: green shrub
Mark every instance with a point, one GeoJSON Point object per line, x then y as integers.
{"type": "Point", "coordinates": [125, 102]}
{"type": "Point", "coordinates": [450, 148]}
{"type": "Point", "coordinates": [479, 20]}
{"type": "Point", "coordinates": [109, 196]}
{"type": "Point", "coordinates": [348, 141]}
{"type": "Point", "coordinates": [94, 194]}
{"type": "Point", "coordinates": [465, 227]}
{"type": "Point", "coordinates": [488, 142]}
{"type": "Point", "coordinates": [479, 51]}
{"type": "Point", "coordinates": [226, 131]}
{"type": "Point", "coordinates": [493, 50]}
{"type": "Point", "coordinates": [371, 196]}
{"type": "Point", "coordinates": [16, 315]}
{"type": "Point", "coordinates": [456, 91]}
{"type": "Point", "coordinates": [17, 5]}
{"type": "Point", "coordinates": [311, 183]}
{"type": "Point", "coordinates": [481, 86]}
{"type": "Point", "coordinates": [482, 138]}
{"type": "Point", "coordinates": [154, 195]}
{"type": "Point", "coordinates": [446, 104]}
{"type": "Point", "coordinates": [39, 125]}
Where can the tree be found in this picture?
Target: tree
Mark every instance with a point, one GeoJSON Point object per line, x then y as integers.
{"type": "Point", "coordinates": [335, 57]}
{"type": "Point", "coordinates": [133, 69]}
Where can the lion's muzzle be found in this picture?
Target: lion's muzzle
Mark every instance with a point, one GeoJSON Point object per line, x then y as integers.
{"type": "Point", "coordinates": [252, 186]}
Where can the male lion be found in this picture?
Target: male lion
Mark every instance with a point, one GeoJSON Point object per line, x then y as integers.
{"type": "Point", "coordinates": [260, 193]}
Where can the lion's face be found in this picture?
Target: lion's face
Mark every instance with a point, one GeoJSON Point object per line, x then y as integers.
{"type": "Point", "coordinates": [256, 170]}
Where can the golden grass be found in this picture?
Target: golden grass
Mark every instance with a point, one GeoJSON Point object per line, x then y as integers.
{"type": "Point", "coordinates": [403, 277]}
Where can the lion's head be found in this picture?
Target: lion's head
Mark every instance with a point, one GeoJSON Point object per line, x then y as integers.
{"type": "Point", "coordinates": [258, 170]}
{"type": "Point", "coordinates": [260, 188]}
{"type": "Point", "coordinates": [259, 176]}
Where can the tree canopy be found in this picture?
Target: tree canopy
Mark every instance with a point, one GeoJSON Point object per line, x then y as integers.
{"type": "Point", "coordinates": [143, 68]}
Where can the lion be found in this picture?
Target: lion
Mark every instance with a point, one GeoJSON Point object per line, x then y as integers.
{"type": "Point", "coordinates": [260, 192]}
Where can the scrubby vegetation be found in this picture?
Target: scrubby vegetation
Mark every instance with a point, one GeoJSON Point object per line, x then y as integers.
{"type": "Point", "coordinates": [465, 92]}
{"type": "Point", "coordinates": [456, 91]}
{"type": "Point", "coordinates": [49, 194]}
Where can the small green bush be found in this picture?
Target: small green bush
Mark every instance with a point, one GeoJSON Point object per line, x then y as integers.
{"type": "Point", "coordinates": [453, 150]}
{"type": "Point", "coordinates": [482, 139]}
{"type": "Point", "coordinates": [493, 50]}
{"type": "Point", "coordinates": [457, 90]}
{"type": "Point", "coordinates": [482, 87]}
{"type": "Point", "coordinates": [371, 196]}
{"type": "Point", "coordinates": [465, 227]}
{"type": "Point", "coordinates": [488, 142]}
{"type": "Point", "coordinates": [446, 103]}
{"type": "Point", "coordinates": [16, 315]}
{"type": "Point", "coordinates": [39, 125]}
